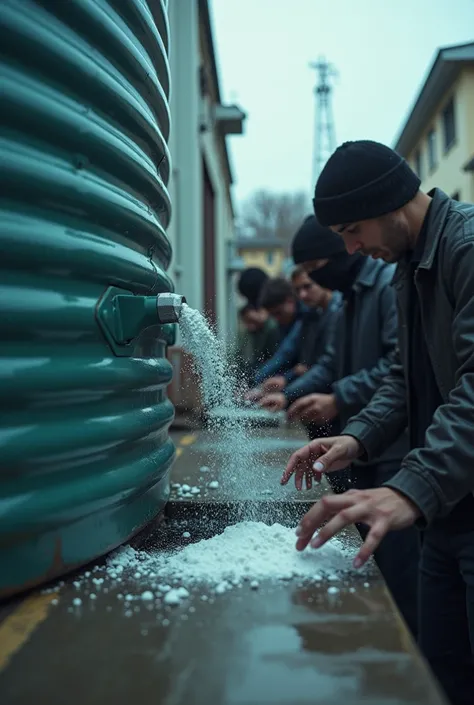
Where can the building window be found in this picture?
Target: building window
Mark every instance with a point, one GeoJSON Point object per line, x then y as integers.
{"type": "Point", "coordinates": [456, 196]}
{"type": "Point", "coordinates": [449, 125]}
{"type": "Point", "coordinates": [431, 144]}
{"type": "Point", "coordinates": [418, 164]}
{"type": "Point", "coordinates": [270, 254]}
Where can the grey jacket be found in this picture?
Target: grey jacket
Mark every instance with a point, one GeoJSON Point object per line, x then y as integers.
{"type": "Point", "coordinates": [439, 475]}
{"type": "Point", "coordinates": [370, 332]}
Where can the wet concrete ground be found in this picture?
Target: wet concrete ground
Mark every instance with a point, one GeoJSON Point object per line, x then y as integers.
{"type": "Point", "coordinates": [291, 643]}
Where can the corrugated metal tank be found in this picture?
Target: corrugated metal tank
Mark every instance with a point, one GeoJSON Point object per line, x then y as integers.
{"type": "Point", "coordinates": [84, 446]}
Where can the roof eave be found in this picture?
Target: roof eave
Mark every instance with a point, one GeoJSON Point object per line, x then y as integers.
{"type": "Point", "coordinates": [446, 67]}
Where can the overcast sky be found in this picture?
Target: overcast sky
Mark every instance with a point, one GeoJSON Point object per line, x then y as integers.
{"type": "Point", "coordinates": [382, 50]}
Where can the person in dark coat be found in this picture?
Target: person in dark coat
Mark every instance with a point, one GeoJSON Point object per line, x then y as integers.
{"type": "Point", "coordinates": [345, 378]}
{"type": "Point", "coordinates": [371, 198]}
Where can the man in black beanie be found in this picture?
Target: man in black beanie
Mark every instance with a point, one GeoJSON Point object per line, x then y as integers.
{"type": "Point", "coordinates": [346, 377]}
{"type": "Point", "coordinates": [370, 197]}
{"type": "Point", "coordinates": [250, 284]}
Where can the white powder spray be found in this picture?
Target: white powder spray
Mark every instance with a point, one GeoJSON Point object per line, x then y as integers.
{"type": "Point", "coordinates": [210, 356]}
{"type": "Point", "coordinates": [219, 383]}
{"type": "Point", "coordinates": [247, 551]}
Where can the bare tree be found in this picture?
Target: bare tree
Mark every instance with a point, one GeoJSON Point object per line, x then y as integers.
{"type": "Point", "coordinates": [266, 214]}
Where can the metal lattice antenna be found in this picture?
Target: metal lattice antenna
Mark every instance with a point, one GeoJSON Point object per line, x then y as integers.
{"type": "Point", "coordinates": [324, 131]}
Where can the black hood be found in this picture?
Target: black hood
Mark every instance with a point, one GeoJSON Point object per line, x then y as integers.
{"type": "Point", "coordinates": [340, 273]}
{"type": "Point", "coordinates": [314, 241]}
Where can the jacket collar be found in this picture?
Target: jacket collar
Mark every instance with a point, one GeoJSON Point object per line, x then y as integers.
{"type": "Point", "coordinates": [368, 274]}
{"type": "Point", "coordinates": [436, 221]}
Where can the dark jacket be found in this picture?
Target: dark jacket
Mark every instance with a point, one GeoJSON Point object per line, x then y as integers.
{"type": "Point", "coordinates": [361, 352]}
{"type": "Point", "coordinates": [252, 349]}
{"type": "Point", "coordinates": [439, 475]}
{"type": "Point", "coordinates": [305, 343]}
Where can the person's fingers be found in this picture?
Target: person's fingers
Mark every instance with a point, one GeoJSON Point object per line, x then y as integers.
{"type": "Point", "coordinates": [318, 476]}
{"type": "Point", "coordinates": [309, 480]}
{"type": "Point", "coordinates": [265, 402]}
{"type": "Point", "coordinates": [299, 474]}
{"type": "Point", "coordinates": [380, 527]}
{"type": "Point", "coordinates": [304, 457]}
{"type": "Point", "coordinates": [299, 406]}
{"type": "Point", "coordinates": [349, 515]}
{"type": "Point", "coordinates": [306, 468]}
{"type": "Point", "coordinates": [300, 456]}
{"type": "Point", "coordinates": [293, 410]}
{"type": "Point", "coordinates": [328, 459]}
{"type": "Point", "coordinates": [289, 470]}
{"type": "Point", "coordinates": [317, 515]}
{"type": "Point", "coordinates": [311, 413]}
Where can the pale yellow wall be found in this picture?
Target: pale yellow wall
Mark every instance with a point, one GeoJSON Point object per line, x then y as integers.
{"type": "Point", "coordinates": [449, 174]}
{"type": "Point", "coordinates": [259, 258]}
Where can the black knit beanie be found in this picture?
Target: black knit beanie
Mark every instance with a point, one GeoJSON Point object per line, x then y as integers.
{"type": "Point", "coordinates": [363, 180]}
{"type": "Point", "coordinates": [250, 284]}
{"type": "Point", "coordinates": [314, 241]}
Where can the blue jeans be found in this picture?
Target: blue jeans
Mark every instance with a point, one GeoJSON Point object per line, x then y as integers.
{"type": "Point", "coordinates": [446, 632]}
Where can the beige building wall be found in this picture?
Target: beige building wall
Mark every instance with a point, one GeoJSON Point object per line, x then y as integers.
{"type": "Point", "coordinates": [270, 260]}
{"type": "Point", "coordinates": [448, 173]}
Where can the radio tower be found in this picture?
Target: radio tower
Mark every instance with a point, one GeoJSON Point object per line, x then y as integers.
{"type": "Point", "coordinates": [324, 135]}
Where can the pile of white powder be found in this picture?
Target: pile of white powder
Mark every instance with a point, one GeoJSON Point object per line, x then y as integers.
{"type": "Point", "coordinates": [245, 552]}
{"type": "Point", "coordinates": [251, 554]}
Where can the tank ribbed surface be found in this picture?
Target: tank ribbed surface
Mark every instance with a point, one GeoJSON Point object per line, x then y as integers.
{"type": "Point", "coordinates": [84, 445]}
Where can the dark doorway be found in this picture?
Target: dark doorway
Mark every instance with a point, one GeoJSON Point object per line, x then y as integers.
{"type": "Point", "coordinates": [209, 237]}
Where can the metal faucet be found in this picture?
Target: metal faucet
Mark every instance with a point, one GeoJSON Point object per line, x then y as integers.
{"type": "Point", "coordinates": [169, 307]}
{"type": "Point", "coordinates": [122, 316]}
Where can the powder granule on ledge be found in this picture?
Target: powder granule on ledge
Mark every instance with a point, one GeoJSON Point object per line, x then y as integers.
{"type": "Point", "coordinates": [247, 551]}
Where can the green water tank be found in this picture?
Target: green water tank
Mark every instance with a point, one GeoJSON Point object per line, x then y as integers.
{"type": "Point", "coordinates": [84, 447]}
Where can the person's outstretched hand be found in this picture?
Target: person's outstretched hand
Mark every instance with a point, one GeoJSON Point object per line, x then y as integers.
{"type": "Point", "coordinates": [274, 384]}
{"type": "Point", "coordinates": [319, 456]}
{"type": "Point", "coordinates": [382, 509]}
{"type": "Point", "coordinates": [273, 402]}
{"type": "Point", "coordinates": [320, 408]}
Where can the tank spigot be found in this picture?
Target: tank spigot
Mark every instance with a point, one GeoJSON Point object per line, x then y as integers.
{"type": "Point", "coordinates": [169, 307]}
{"type": "Point", "coordinates": [124, 316]}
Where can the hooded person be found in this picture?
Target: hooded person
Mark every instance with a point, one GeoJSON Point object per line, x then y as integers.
{"type": "Point", "coordinates": [251, 283]}
{"type": "Point", "coordinates": [323, 255]}
{"type": "Point", "coordinates": [347, 376]}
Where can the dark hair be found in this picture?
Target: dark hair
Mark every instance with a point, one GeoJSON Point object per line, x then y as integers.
{"type": "Point", "coordinates": [297, 272]}
{"type": "Point", "coordinates": [250, 284]}
{"type": "Point", "coordinates": [275, 292]}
